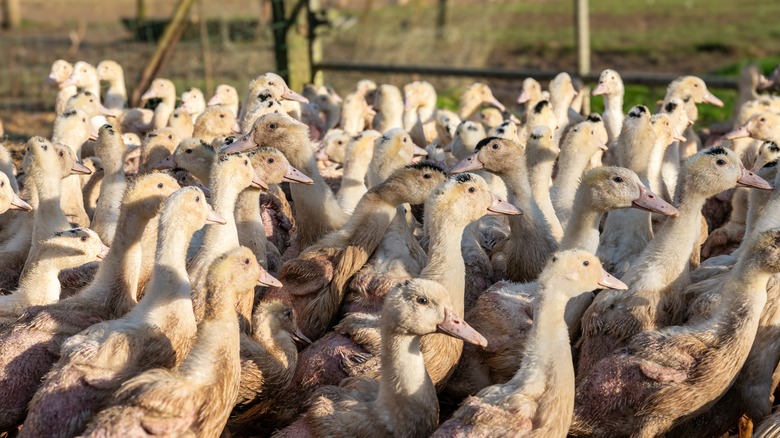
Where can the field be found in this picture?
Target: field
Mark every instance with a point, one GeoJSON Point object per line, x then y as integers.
{"type": "Point", "coordinates": [668, 36]}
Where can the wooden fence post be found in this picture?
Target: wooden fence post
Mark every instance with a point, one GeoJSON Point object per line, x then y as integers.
{"type": "Point", "coordinates": [582, 30]}
{"type": "Point", "coordinates": [12, 14]}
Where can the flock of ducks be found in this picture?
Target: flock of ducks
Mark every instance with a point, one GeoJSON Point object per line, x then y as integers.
{"type": "Point", "coordinates": [539, 273]}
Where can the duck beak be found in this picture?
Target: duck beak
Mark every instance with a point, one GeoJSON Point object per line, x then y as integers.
{"type": "Point", "coordinates": [468, 164]}
{"type": "Point", "coordinates": [524, 97]}
{"type": "Point", "coordinates": [245, 143]}
{"type": "Point", "coordinates": [418, 151]}
{"type": "Point", "coordinates": [215, 100]}
{"type": "Point", "coordinates": [80, 169]}
{"type": "Point", "coordinates": [103, 253]}
{"type": "Point", "coordinates": [599, 145]}
{"type": "Point", "coordinates": [294, 175]}
{"type": "Point", "coordinates": [18, 203]}
{"type": "Point", "coordinates": [52, 78]}
{"type": "Point", "coordinates": [750, 179]}
{"type": "Point", "coordinates": [298, 333]}
{"type": "Point", "coordinates": [168, 163]}
{"type": "Point", "coordinates": [109, 112]}
{"type": "Point", "coordinates": [738, 133]}
{"type": "Point", "coordinates": [93, 133]}
{"type": "Point", "coordinates": [292, 95]}
{"type": "Point", "coordinates": [408, 105]}
{"type": "Point", "coordinates": [499, 206]}
{"type": "Point", "coordinates": [448, 148]}
{"type": "Point", "coordinates": [214, 218]}
{"type": "Point", "coordinates": [494, 102]}
{"type": "Point", "coordinates": [267, 279]}
{"type": "Point", "coordinates": [649, 201]}
{"type": "Point", "coordinates": [764, 83]}
{"type": "Point", "coordinates": [711, 99]}
{"type": "Point", "coordinates": [258, 183]}
{"type": "Point", "coordinates": [69, 82]}
{"type": "Point", "coordinates": [512, 118]}
{"type": "Point", "coordinates": [607, 281]}
{"type": "Point", "coordinates": [150, 94]}
{"type": "Point", "coordinates": [600, 89]}
{"type": "Point", "coordinates": [321, 155]}
{"type": "Point", "coordinates": [236, 128]}
{"type": "Point", "coordinates": [677, 137]}
{"type": "Point", "coordinates": [456, 327]}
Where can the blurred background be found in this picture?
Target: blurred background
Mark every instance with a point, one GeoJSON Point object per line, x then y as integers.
{"type": "Point", "coordinates": [231, 41]}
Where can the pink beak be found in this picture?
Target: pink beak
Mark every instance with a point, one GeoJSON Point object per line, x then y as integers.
{"type": "Point", "coordinates": [294, 175]}
{"type": "Point", "coordinates": [236, 128]}
{"type": "Point", "coordinates": [258, 183]}
{"type": "Point", "coordinates": [524, 97]}
{"type": "Point", "coordinates": [70, 81]}
{"type": "Point", "coordinates": [711, 99]}
{"type": "Point", "coordinates": [493, 101]}
{"type": "Point", "coordinates": [599, 144]}
{"type": "Point", "coordinates": [103, 253]}
{"type": "Point", "coordinates": [468, 164]}
{"type": "Point", "coordinates": [499, 206]}
{"type": "Point", "coordinates": [18, 203]}
{"type": "Point", "coordinates": [245, 143]}
{"type": "Point", "coordinates": [651, 202]}
{"type": "Point", "coordinates": [458, 328]}
{"type": "Point", "coordinates": [677, 137]}
{"type": "Point", "coordinates": [738, 133]}
{"type": "Point", "coordinates": [418, 151]}
{"type": "Point", "coordinates": [150, 94]}
{"type": "Point", "coordinates": [80, 169]}
{"type": "Point", "coordinates": [610, 282]}
{"type": "Point", "coordinates": [764, 83]}
{"type": "Point", "coordinates": [109, 112]}
{"type": "Point", "coordinates": [267, 279]}
{"type": "Point", "coordinates": [215, 218]}
{"type": "Point", "coordinates": [168, 163]}
{"type": "Point", "coordinates": [292, 95]}
{"type": "Point", "coordinates": [215, 100]}
{"type": "Point", "coordinates": [600, 89]}
{"type": "Point", "coordinates": [750, 179]}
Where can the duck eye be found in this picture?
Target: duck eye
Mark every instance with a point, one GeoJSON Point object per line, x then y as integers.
{"type": "Point", "coordinates": [221, 116]}
{"type": "Point", "coordinates": [495, 146]}
{"type": "Point", "coordinates": [427, 176]}
{"type": "Point", "coordinates": [586, 263]}
{"type": "Point", "coordinates": [271, 161]}
{"type": "Point", "coordinates": [422, 300]}
{"type": "Point", "coordinates": [272, 126]}
{"type": "Point", "coordinates": [404, 140]}
{"type": "Point", "coordinates": [197, 199]}
{"type": "Point", "coordinates": [159, 186]}
{"type": "Point", "coordinates": [287, 313]}
{"type": "Point", "coordinates": [62, 154]}
{"type": "Point", "coordinates": [2, 183]}
{"type": "Point", "coordinates": [762, 119]}
{"type": "Point", "coordinates": [720, 162]}
{"type": "Point", "coordinates": [83, 238]}
{"type": "Point", "coordinates": [271, 84]}
{"type": "Point", "coordinates": [246, 261]}
{"type": "Point", "coordinates": [340, 142]}
{"type": "Point", "coordinates": [472, 190]}
{"type": "Point", "coordinates": [246, 162]}
{"type": "Point", "coordinates": [617, 179]}
{"type": "Point", "coordinates": [188, 151]}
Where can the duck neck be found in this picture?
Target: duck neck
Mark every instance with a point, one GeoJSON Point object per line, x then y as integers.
{"type": "Point", "coordinates": [540, 175]}
{"type": "Point", "coordinates": [520, 193]}
{"type": "Point", "coordinates": [48, 216]}
{"type": "Point", "coordinates": [467, 107]}
{"type": "Point", "coordinates": [570, 168]}
{"type": "Point", "coordinates": [445, 263]}
{"type": "Point", "coordinates": [169, 289]}
{"type": "Point", "coordinates": [355, 170]}
{"type": "Point", "coordinates": [161, 115]}
{"type": "Point", "coordinates": [219, 327]}
{"type": "Point", "coordinates": [582, 230]}
{"type": "Point", "coordinates": [613, 114]}
{"type": "Point", "coordinates": [117, 88]}
{"type": "Point", "coordinates": [653, 176]}
{"type": "Point", "coordinates": [405, 384]}
{"type": "Point", "coordinates": [39, 283]}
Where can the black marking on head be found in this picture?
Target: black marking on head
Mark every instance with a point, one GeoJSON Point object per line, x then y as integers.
{"type": "Point", "coordinates": [229, 140]}
{"type": "Point", "coordinates": [717, 150]}
{"type": "Point", "coordinates": [87, 93]}
{"type": "Point", "coordinates": [771, 164]}
{"type": "Point", "coordinates": [595, 117]}
{"type": "Point", "coordinates": [430, 165]}
{"type": "Point", "coordinates": [462, 178]}
{"type": "Point", "coordinates": [687, 98]}
{"type": "Point", "coordinates": [264, 96]}
{"type": "Point", "coordinates": [471, 127]}
{"type": "Point", "coordinates": [536, 135]}
{"type": "Point", "coordinates": [638, 111]}
{"type": "Point", "coordinates": [208, 145]}
{"type": "Point", "coordinates": [225, 157]}
{"type": "Point", "coordinates": [482, 143]}
{"type": "Point", "coordinates": [772, 146]}
{"type": "Point", "coordinates": [69, 113]}
{"type": "Point", "coordinates": [670, 107]}
{"type": "Point", "coordinates": [540, 106]}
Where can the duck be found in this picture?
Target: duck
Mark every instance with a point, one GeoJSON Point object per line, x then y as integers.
{"type": "Point", "coordinates": [72, 129]}
{"type": "Point", "coordinates": [38, 282]}
{"type": "Point", "coordinates": [670, 168]}
{"type": "Point", "coordinates": [265, 88]}
{"type": "Point", "coordinates": [506, 159]}
{"type": "Point", "coordinates": [653, 300]}
{"type": "Point", "coordinates": [215, 122]}
{"type": "Point", "coordinates": [610, 86]}
{"type": "Point", "coordinates": [665, 376]}
{"type": "Point", "coordinates": [389, 107]}
{"type": "Point", "coordinates": [225, 95]}
{"type": "Point", "coordinates": [84, 77]}
{"type": "Point", "coordinates": [358, 156]}
{"type": "Point", "coordinates": [504, 312]}
{"type": "Point", "coordinates": [354, 112]}
{"type": "Point", "coordinates": [110, 149]}
{"type": "Point", "coordinates": [268, 360]}
{"type": "Point", "coordinates": [316, 210]}
{"type": "Point", "coordinates": [393, 149]}
{"type": "Point", "coordinates": [193, 102]}
{"type": "Point", "coordinates": [692, 90]}
{"type": "Point", "coordinates": [420, 111]}
{"type": "Point", "coordinates": [196, 397]}
{"type": "Point", "coordinates": [230, 174]}
{"type": "Point", "coordinates": [31, 345]}
{"type": "Point", "coordinates": [157, 145]}
{"type": "Point", "coordinates": [476, 95]}
{"type": "Point", "coordinates": [330, 107]}
{"type": "Point", "coordinates": [531, 93]}
{"type": "Point", "coordinates": [332, 147]}
{"type": "Point", "coordinates": [466, 137]}
{"type": "Point", "coordinates": [112, 72]}
{"type": "Point", "coordinates": [562, 94]}
{"type": "Point", "coordinates": [9, 200]}
{"type": "Point", "coordinates": [403, 402]}
{"type": "Point", "coordinates": [60, 72]}
{"type": "Point", "coordinates": [539, 399]}
{"type": "Point", "coordinates": [140, 120]}
{"type": "Point", "coordinates": [181, 123]}
{"type": "Point", "coordinates": [143, 338]}
{"type": "Point", "coordinates": [273, 168]}
{"type": "Point", "coordinates": [540, 155]}
{"type": "Point", "coordinates": [315, 282]}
